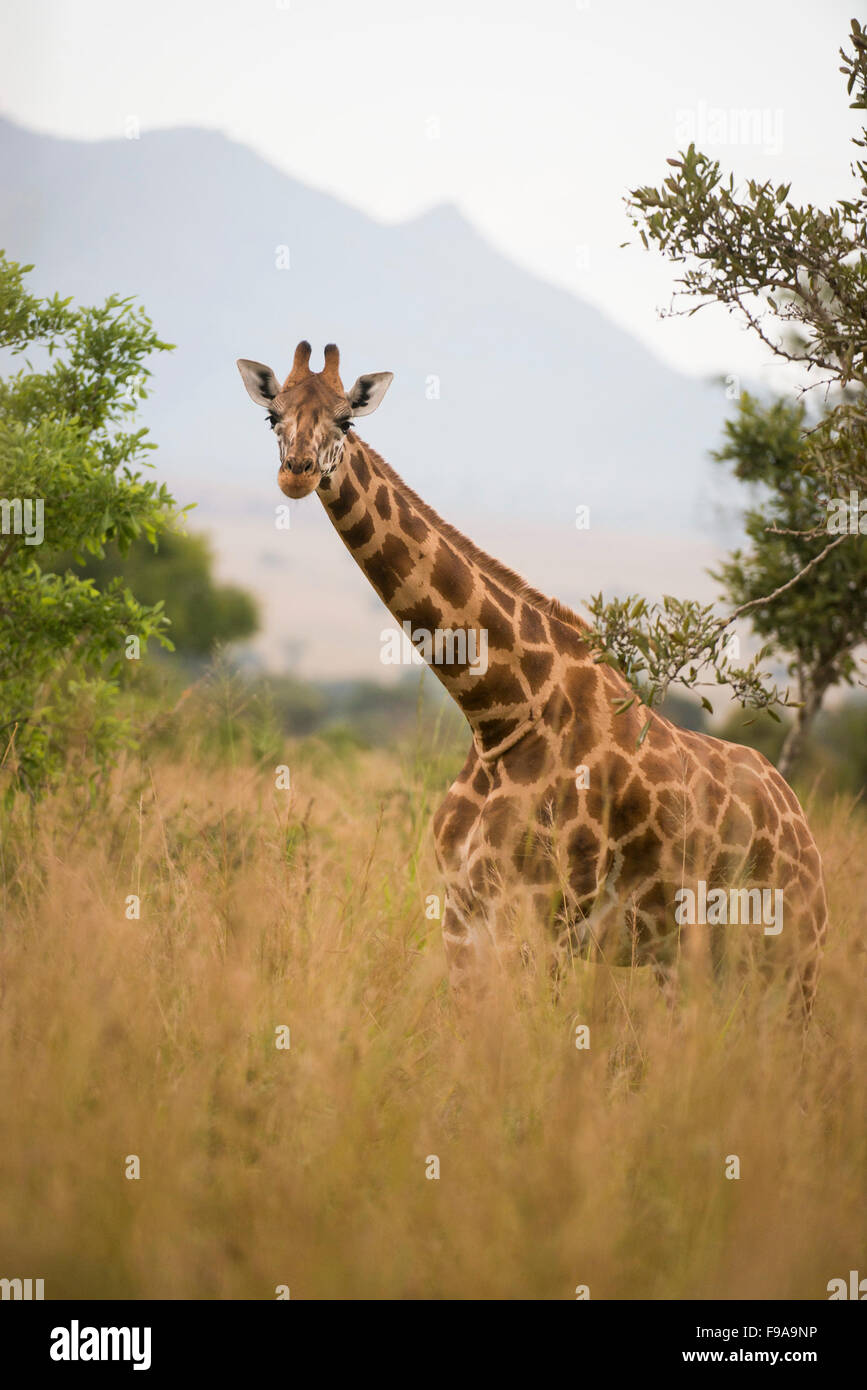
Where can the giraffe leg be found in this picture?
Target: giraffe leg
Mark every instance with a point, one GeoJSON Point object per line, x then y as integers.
{"type": "Point", "coordinates": [803, 971]}
{"type": "Point", "coordinates": [491, 945]}
{"type": "Point", "coordinates": [469, 950]}
{"type": "Point", "coordinates": [665, 975]}
{"type": "Point", "coordinates": [813, 933]}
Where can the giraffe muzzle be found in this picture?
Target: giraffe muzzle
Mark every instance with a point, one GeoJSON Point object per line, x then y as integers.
{"type": "Point", "coordinates": [298, 478]}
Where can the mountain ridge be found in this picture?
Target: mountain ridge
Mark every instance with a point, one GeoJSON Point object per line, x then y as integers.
{"type": "Point", "coordinates": [529, 378]}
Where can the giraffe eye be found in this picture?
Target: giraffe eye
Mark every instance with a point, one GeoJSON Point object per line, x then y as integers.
{"type": "Point", "coordinates": [345, 425]}
{"type": "Point", "coordinates": [272, 419]}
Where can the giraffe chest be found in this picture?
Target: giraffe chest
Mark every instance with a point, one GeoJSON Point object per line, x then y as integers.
{"type": "Point", "coordinates": [616, 823]}
{"type": "Point", "coordinates": [501, 836]}
{"type": "Point", "coordinates": [600, 852]}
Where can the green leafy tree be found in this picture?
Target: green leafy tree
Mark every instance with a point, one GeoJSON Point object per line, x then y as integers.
{"type": "Point", "coordinates": [178, 573]}
{"type": "Point", "coordinates": [797, 277]}
{"type": "Point", "coordinates": [819, 621]}
{"type": "Point", "coordinates": [71, 457]}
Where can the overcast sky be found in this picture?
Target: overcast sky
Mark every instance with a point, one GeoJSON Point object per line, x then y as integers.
{"type": "Point", "coordinates": [534, 118]}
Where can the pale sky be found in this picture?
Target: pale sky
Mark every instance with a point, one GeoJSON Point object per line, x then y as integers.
{"type": "Point", "coordinates": [534, 119]}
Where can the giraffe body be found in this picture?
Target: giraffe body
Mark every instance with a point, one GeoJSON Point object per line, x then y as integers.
{"type": "Point", "coordinates": [602, 864]}
{"type": "Point", "coordinates": [560, 815]}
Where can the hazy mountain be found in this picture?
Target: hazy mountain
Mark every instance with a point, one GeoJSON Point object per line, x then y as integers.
{"type": "Point", "coordinates": [543, 404]}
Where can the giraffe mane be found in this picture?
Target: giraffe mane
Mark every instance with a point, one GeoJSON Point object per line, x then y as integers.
{"type": "Point", "coordinates": [495, 569]}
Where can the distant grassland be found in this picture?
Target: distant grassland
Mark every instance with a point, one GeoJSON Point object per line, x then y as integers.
{"type": "Point", "coordinates": [306, 1167]}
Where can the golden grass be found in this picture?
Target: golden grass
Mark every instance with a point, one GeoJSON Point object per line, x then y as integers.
{"type": "Point", "coordinates": [306, 1167]}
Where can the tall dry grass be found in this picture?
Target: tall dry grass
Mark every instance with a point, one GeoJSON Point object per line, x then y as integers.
{"type": "Point", "coordinates": [306, 1167]}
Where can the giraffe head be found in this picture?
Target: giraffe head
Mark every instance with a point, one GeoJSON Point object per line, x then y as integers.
{"type": "Point", "coordinates": [311, 414]}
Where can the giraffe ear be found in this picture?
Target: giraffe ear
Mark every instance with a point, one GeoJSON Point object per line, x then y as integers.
{"type": "Point", "coordinates": [368, 391]}
{"type": "Point", "coordinates": [261, 383]}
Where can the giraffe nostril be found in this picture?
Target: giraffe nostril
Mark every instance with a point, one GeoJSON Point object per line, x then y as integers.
{"type": "Point", "coordinates": [301, 465]}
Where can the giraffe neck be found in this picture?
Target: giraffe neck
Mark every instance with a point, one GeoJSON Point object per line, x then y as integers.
{"type": "Point", "coordinates": [485, 634]}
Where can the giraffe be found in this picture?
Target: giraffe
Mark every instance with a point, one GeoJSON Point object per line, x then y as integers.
{"type": "Point", "coordinates": [560, 814]}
